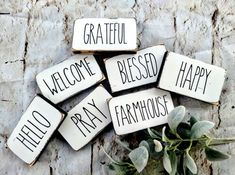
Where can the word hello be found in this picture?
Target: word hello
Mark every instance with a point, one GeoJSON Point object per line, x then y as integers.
{"type": "Point", "coordinates": [128, 71]}
{"type": "Point", "coordinates": [140, 110]}
{"type": "Point", "coordinates": [69, 77]}
{"type": "Point", "coordinates": [34, 129]}
{"type": "Point", "coordinates": [192, 78]}
{"type": "Point", "coordinates": [86, 119]}
{"type": "Point", "coordinates": [104, 34]}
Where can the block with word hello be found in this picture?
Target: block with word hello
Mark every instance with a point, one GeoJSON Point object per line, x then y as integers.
{"type": "Point", "coordinates": [140, 110]}
{"type": "Point", "coordinates": [132, 70]}
{"type": "Point", "coordinates": [104, 34]}
{"type": "Point", "coordinates": [86, 119]}
{"type": "Point", "coordinates": [69, 77]}
{"type": "Point", "coordinates": [192, 78]}
{"type": "Point", "coordinates": [34, 129]}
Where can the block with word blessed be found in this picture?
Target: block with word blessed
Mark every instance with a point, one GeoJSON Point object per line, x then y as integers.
{"type": "Point", "coordinates": [140, 110]}
{"type": "Point", "coordinates": [69, 77]}
{"type": "Point", "coordinates": [192, 78]}
{"type": "Point", "coordinates": [103, 34]}
{"type": "Point", "coordinates": [86, 119]}
{"type": "Point", "coordinates": [34, 129]}
{"type": "Point", "coordinates": [132, 70]}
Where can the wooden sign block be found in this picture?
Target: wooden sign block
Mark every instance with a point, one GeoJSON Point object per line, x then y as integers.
{"type": "Point", "coordinates": [132, 70]}
{"type": "Point", "coordinates": [140, 110]}
{"type": "Point", "coordinates": [69, 77]}
{"type": "Point", "coordinates": [34, 129]}
{"type": "Point", "coordinates": [86, 119]}
{"type": "Point", "coordinates": [103, 34]}
{"type": "Point", "coordinates": [192, 78]}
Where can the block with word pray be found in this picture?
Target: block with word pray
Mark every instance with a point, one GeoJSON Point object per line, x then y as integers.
{"type": "Point", "coordinates": [86, 119]}
{"type": "Point", "coordinates": [192, 78]}
{"type": "Point", "coordinates": [103, 34]}
{"type": "Point", "coordinates": [34, 129]}
{"type": "Point", "coordinates": [132, 70]}
{"type": "Point", "coordinates": [69, 77]}
{"type": "Point", "coordinates": [140, 110]}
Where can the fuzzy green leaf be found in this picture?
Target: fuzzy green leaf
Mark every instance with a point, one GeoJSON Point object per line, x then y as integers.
{"type": "Point", "coordinates": [200, 128]}
{"type": "Point", "coordinates": [190, 164]}
{"type": "Point", "coordinates": [173, 160]}
{"type": "Point", "coordinates": [167, 162]}
{"type": "Point", "coordinates": [139, 157]}
{"type": "Point", "coordinates": [154, 134]}
{"type": "Point", "coordinates": [175, 117]}
{"type": "Point", "coordinates": [145, 144]}
{"type": "Point", "coordinates": [215, 155]}
{"type": "Point", "coordinates": [158, 145]}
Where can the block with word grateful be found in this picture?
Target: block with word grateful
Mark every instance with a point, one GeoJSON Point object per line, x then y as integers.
{"type": "Point", "coordinates": [69, 77]}
{"type": "Point", "coordinates": [192, 78]}
{"type": "Point", "coordinates": [140, 110]}
{"type": "Point", "coordinates": [103, 34]}
{"type": "Point", "coordinates": [34, 129]}
{"type": "Point", "coordinates": [132, 70]}
{"type": "Point", "coordinates": [86, 119]}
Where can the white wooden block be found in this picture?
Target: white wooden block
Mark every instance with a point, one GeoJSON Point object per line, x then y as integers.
{"type": "Point", "coordinates": [140, 110]}
{"type": "Point", "coordinates": [69, 77]}
{"type": "Point", "coordinates": [104, 34]}
{"type": "Point", "coordinates": [86, 119]}
{"type": "Point", "coordinates": [34, 129]}
{"type": "Point", "coordinates": [132, 70]}
{"type": "Point", "coordinates": [192, 78]}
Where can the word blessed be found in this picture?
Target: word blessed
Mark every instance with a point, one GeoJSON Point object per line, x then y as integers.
{"type": "Point", "coordinates": [33, 131]}
{"type": "Point", "coordinates": [141, 110]}
{"type": "Point", "coordinates": [190, 75]}
{"type": "Point", "coordinates": [105, 33]}
{"type": "Point", "coordinates": [69, 76]}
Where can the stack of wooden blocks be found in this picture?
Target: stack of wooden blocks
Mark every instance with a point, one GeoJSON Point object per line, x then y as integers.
{"type": "Point", "coordinates": [165, 71]}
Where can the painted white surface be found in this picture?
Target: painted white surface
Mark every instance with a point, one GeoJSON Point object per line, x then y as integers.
{"type": "Point", "coordinates": [132, 70]}
{"type": "Point", "coordinates": [104, 34]}
{"type": "Point", "coordinates": [140, 110]}
{"type": "Point", "coordinates": [192, 78]}
{"type": "Point", "coordinates": [86, 119]}
{"type": "Point", "coordinates": [69, 77]}
{"type": "Point", "coordinates": [34, 129]}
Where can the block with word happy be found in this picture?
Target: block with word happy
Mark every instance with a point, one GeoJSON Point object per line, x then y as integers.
{"type": "Point", "coordinates": [192, 78]}
{"type": "Point", "coordinates": [69, 77]}
{"type": "Point", "coordinates": [103, 34]}
{"type": "Point", "coordinates": [86, 119]}
{"type": "Point", "coordinates": [34, 129]}
{"type": "Point", "coordinates": [132, 70]}
{"type": "Point", "coordinates": [140, 110]}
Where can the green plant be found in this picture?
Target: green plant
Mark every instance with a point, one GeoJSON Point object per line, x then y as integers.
{"type": "Point", "coordinates": [169, 150]}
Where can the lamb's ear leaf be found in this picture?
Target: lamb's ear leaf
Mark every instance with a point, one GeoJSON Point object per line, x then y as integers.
{"type": "Point", "coordinates": [200, 128]}
{"type": "Point", "coordinates": [215, 155]}
{"type": "Point", "coordinates": [175, 117]}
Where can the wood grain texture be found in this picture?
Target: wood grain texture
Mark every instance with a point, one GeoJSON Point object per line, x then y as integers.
{"type": "Point", "coordinates": [35, 35]}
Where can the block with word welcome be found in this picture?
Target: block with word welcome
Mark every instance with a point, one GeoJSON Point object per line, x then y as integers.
{"type": "Point", "coordinates": [192, 78]}
{"type": "Point", "coordinates": [86, 119]}
{"type": "Point", "coordinates": [103, 34]}
{"type": "Point", "coordinates": [140, 110]}
{"type": "Point", "coordinates": [34, 129]}
{"type": "Point", "coordinates": [132, 70]}
{"type": "Point", "coordinates": [69, 77]}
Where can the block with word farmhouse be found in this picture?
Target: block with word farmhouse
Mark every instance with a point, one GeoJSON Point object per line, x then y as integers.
{"type": "Point", "coordinates": [132, 70]}
{"type": "Point", "coordinates": [103, 34]}
{"type": "Point", "coordinates": [86, 119]}
{"type": "Point", "coordinates": [34, 129]}
{"type": "Point", "coordinates": [140, 110]}
{"type": "Point", "coordinates": [192, 78]}
{"type": "Point", "coordinates": [69, 77]}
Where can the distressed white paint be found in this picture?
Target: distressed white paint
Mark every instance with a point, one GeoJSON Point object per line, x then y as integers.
{"type": "Point", "coordinates": [69, 77]}
{"type": "Point", "coordinates": [192, 78]}
{"type": "Point", "coordinates": [86, 119]}
{"type": "Point", "coordinates": [140, 110]}
{"type": "Point", "coordinates": [34, 129]}
{"type": "Point", "coordinates": [104, 34]}
{"type": "Point", "coordinates": [132, 70]}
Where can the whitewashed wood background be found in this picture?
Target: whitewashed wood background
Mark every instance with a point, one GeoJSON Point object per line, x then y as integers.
{"type": "Point", "coordinates": [35, 35]}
